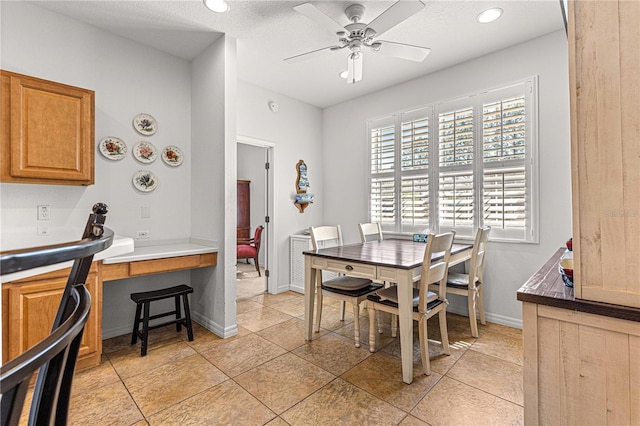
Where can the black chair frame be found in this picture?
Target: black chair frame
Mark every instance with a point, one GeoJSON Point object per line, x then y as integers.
{"type": "Point", "coordinates": [54, 357]}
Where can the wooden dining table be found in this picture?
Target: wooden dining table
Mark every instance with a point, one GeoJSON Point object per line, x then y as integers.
{"type": "Point", "coordinates": [392, 260]}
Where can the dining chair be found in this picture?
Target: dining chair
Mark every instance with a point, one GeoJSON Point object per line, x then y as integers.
{"type": "Point", "coordinates": [470, 285]}
{"type": "Point", "coordinates": [343, 288]}
{"type": "Point", "coordinates": [54, 358]}
{"type": "Point", "coordinates": [426, 303]}
{"type": "Point", "coordinates": [251, 250]}
{"type": "Point", "coordinates": [371, 231]}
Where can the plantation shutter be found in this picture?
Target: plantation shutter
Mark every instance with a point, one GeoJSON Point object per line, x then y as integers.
{"type": "Point", "coordinates": [414, 163]}
{"type": "Point", "coordinates": [455, 178]}
{"type": "Point", "coordinates": [505, 193]}
{"type": "Point", "coordinates": [382, 204]}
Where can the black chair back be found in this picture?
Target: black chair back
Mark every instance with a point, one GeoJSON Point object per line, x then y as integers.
{"type": "Point", "coordinates": [54, 357]}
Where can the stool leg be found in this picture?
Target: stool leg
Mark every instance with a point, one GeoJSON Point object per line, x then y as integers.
{"type": "Point", "coordinates": [145, 329]}
{"type": "Point", "coordinates": [136, 325]}
{"type": "Point", "coordinates": [178, 322]}
{"type": "Point", "coordinates": [187, 316]}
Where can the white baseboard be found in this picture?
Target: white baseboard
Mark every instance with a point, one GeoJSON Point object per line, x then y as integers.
{"type": "Point", "coordinates": [214, 327]}
{"type": "Point", "coordinates": [297, 288]}
{"type": "Point", "coordinates": [496, 318]}
{"type": "Point", "coordinates": [115, 332]}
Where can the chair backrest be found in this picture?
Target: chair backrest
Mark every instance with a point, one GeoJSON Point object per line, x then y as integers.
{"type": "Point", "coordinates": [55, 356]}
{"type": "Point", "coordinates": [370, 231]}
{"type": "Point", "coordinates": [257, 238]}
{"type": "Point", "coordinates": [325, 236]}
{"type": "Point", "coordinates": [476, 265]}
{"type": "Point", "coordinates": [435, 272]}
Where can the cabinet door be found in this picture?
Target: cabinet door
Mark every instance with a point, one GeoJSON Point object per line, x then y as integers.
{"type": "Point", "coordinates": [32, 308]}
{"type": "Point", "coordinates": [48, 131]}
{"type": "Point", "coordinates": [605, 151]}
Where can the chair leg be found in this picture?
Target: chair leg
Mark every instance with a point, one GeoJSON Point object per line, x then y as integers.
{"type": "Point", "coordinates": [471, 302]}
{"type": "Point", "coordinates": [378, 313]}
{"type": "Point", "coordinates": [178, 323]}
{"type": "Point", "coordinates": [136, 324]}
{"type": "Point", "coordinates": [342, 307]}
{"type": "Point", "coordinates": [187, 316]}
{"type": "Point", "coordinates": [372, 327]}
{"type": "Point", "coordinates": [394, 325]}
{"type": "Point", "coordinates": [424, 346]}
{"type": "Point", "coordinates": [356, 323]}
{"type": "Point", "coordinates": [318, 308]}
{"type": "Point", "coordinates": [483, 321]}
{"type": "Point", "coordinates": [255, 260]}
{"type": "Point", "coordinates": [444, 334]}
{"type": "Point", "coordinates": [145, 329]}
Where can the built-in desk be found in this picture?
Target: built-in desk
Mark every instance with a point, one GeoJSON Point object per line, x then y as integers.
{"type": "Point", "coordinates": [157, 259]}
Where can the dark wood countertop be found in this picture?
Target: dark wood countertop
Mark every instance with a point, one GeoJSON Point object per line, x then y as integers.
{"type": "Point", "coordinates": [546, 287]}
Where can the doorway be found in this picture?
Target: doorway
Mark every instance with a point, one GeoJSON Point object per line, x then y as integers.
{"type": "Point", "coordinates": [254, 161]}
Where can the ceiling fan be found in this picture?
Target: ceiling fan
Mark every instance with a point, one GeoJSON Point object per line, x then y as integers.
{"type": "Point", "coordinates": [358, 37]}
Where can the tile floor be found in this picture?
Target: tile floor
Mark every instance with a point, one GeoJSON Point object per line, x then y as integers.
{"type": "Point", "coordinates": [268, 374]}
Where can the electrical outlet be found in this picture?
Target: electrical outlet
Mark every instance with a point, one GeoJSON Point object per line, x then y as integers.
{"type": "Point", "coordinates": [44, 212]}
{"type": "Point", "coordinates": [142, 235]}
{"type": "Point", "coordinates": [42, 230]}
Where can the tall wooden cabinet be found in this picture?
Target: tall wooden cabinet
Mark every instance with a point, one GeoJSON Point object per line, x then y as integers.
{"type": "Point", "coordinates": [582, 345]}
{"type": "Point", "coordinates": [604, 66]}
{"type": "Point", "coordinates": [47, 133]}
{"type": "Point", "coordinates": [244, 211]}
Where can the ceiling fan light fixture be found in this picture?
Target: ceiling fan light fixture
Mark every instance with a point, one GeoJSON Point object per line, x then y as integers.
{"type": "Point", "coordinates": [218, 6]}
{"type": "Point", "coordinates": [489, 15]}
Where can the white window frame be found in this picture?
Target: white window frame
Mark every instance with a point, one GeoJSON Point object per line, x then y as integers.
{"type": "Point", "coordinates": [530, 234]}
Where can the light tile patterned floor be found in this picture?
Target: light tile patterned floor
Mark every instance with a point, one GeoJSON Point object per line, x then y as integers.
{"type": "Point", "coordinates": [268, 374]}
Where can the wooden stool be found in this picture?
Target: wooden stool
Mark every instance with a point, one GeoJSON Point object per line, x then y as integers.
{"type": "Point", "coordinates": [145, 298]}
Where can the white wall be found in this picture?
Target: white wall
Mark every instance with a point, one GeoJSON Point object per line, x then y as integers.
{"type": "Point", "coordinates": [296, 131]}
{"type": "Point", "coordinates": [509, 265]}
{"type": "Point", "coordinates": [213, 182]}
{"type": "Point", "coordinates": [128, 78]}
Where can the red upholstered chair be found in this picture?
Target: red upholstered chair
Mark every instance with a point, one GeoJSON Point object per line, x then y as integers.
{"type": "Point", "coordinates": [251, 250]}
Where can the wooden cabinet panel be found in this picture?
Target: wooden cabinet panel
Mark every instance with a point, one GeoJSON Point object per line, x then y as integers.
{"type": "Point", "coordinates": [244, 211]}
{"type": "Point", "coordinates": [31, 308]}
{"type": "Point", "coordinates": [118, 271]}
{"type": "Point", "coordinates": [580, 368]}
{"type": "Point", "coordinates": [604, 60]}
{"type": "Point", "coordinates": [48, 131]}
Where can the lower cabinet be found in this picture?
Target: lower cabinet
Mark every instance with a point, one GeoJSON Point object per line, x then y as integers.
{"type": "Point", "coordinates": [30, 306]}
{"type": "Point", "coordinates": [580, 368]}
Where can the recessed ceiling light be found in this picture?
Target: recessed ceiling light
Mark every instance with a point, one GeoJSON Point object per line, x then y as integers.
{"type": "Point", "coordinates": [219, 6]}
{"type": "Point", "coordinates": [343, 74]}
{"type": "Point", "coordinates": [489, 15]}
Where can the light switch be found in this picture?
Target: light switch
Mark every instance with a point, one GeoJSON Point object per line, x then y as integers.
{"type": "Point", "coordinates": [145, 212]}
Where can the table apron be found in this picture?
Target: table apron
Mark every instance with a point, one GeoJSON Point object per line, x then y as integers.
{"type": "Point", "coordinates": [353, 269]}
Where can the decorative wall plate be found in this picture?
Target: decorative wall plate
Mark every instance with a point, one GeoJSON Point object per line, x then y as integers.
{"type": "Point", "coordinates": [145, 152]}
{"type": "Point", "coordinates": [112, 148]}
{"type": "Point", "coordinates": [145, 181]}
{"type": "Point", "coordinates": [172, 155]}
{"type": "Point", "coordinates": [145, 124]}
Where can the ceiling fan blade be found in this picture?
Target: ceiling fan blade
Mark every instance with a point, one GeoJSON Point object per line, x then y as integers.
{"type": "Point", "coordinates": [354, 67]}
{"type": "Point", "coordinates": [312, 54]}
{"type": "Point", "coordinates": [398, 12]}
{"type": "Point", "coordinates": [315, 14]}
{"type": "Point", "coordinates": [403, 51]}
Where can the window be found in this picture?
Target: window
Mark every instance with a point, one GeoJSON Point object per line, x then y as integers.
{"type": "Point", "coordinates": [458, 165]}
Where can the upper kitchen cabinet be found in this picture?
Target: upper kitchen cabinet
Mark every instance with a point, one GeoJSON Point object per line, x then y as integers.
{"type": "Point", "coordinates": [604, 61]}
{"type": "Point", "coordinates": [47, 132]}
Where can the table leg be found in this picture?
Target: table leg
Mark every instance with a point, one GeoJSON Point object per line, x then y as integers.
{"type": "Point", "coordinates": [405, 318]}
{"type": "Point", "coordinates": [309, 296]}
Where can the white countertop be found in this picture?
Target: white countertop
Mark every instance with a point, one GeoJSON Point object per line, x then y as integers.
{"type": "Point", "coordinates": [165, 250]}
{"type": "Point", "coordinates": [119, 246]}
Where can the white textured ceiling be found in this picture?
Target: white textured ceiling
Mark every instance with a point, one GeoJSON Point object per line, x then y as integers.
{"type": "Point", "coordinates": [269, 31]}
